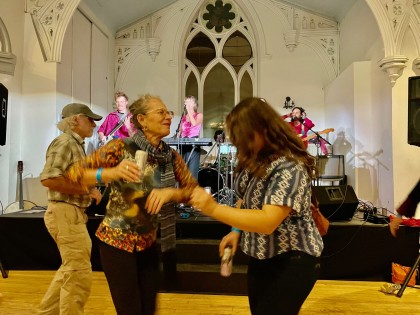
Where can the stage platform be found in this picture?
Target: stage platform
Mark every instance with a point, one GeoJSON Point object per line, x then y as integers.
{"type": "Point", "coordinates": [354, 250]}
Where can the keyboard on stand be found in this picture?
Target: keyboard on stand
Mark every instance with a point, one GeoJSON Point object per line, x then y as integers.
{"type": "Point", "coordinates": [189, 141]}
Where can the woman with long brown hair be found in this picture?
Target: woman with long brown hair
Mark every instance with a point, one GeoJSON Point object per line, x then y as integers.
{"type": "Point", "coordinates": [273, 220]}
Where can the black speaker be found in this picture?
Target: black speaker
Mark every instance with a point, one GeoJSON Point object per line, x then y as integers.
{"type": "Point", "coordinates": [336, 203]}
{"type": "Point", "coordinates": [414, 110]}
{"type": "Point", "coordinates": [3, 114]}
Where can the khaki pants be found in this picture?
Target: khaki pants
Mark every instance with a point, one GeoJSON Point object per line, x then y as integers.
{"type": "Point", "coordinates": [70, 288]}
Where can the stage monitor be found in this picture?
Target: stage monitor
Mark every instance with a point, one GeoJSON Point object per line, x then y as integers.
{"type": "Point", "coordinates": [336, 203]}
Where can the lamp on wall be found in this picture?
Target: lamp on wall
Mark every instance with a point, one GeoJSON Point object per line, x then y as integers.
{"type": "Point", "coordinates": [289, 103]}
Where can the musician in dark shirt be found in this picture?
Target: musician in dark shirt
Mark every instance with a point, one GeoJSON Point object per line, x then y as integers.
{"type": "Point", "coordinates": [120, 118]}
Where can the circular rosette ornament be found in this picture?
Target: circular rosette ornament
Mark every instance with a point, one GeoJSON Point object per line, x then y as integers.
{"type": "Point", "coordinates": [219, 16]}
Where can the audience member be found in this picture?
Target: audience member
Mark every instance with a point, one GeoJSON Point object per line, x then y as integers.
{"type": "Point", "coordinates": [65, 217]}
{"type": "Point", "coordinates": [273, 219]}
{"type": "Point", "coordinates": [127, 235]}
{"type": "Point", "coordinates": [406, 209]}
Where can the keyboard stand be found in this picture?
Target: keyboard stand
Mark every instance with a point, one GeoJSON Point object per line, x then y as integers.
{"type": "Point", "coordinates": [191, 152]}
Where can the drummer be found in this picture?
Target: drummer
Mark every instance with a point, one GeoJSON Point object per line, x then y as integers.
{"type": "Point", "coordinates": [210, 159]}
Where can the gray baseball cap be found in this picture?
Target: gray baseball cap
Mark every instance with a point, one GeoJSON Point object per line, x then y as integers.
{"type": "Point", "coordinates": [76, 108]}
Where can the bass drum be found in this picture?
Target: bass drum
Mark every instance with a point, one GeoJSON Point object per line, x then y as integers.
{"type": "Point", "coordinates": [209, 177]}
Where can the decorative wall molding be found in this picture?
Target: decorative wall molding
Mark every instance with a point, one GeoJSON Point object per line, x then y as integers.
{"type": "Point", "coordinates": [50, 19]}
{"type": "Point", "coordinates": [126, 56]}
{"type": "Point", "coordinates": [7, 58]}
{"type": "Point", "coordinates": [416, 64]}
{"type": "Point", "coordinates": [394, 18]}
{"type": "Point", "coordinates": [153, 47]}
{"type": "Point", "coordinates": [394, 66]}
{"type": "Point", "coordinates": [319, 33]}
{"type": "Point", "coordinates": [324, 47]}
{"type": "Point", "coordinates": [139, 36]}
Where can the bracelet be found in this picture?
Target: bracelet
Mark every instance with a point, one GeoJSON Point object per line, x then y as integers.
{"type": "Point", "coordinates": [99, 175]}
{"type": "Point", "coordinates": [234, 229]}
{"type": "Point", "coordinates": [399, 215]}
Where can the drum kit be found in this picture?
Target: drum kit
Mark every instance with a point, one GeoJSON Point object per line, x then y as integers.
{"type": "Point", "coordinates": [216, 174]}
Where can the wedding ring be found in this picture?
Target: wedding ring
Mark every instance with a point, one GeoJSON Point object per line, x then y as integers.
{"type": "Point", "coordinates": [126, 167]}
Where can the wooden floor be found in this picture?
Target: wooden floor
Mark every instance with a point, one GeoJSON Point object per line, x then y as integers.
{"type": "Point", "coordinates": [23, 290]}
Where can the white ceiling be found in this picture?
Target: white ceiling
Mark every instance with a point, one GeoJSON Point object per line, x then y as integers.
{"type": "Point", "coordinates": [119, 13]}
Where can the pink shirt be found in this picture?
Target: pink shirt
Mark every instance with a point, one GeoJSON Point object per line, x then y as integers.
{"type": "Point", "coordinates": [110, 122]}
{"type": "Point", "coordinates": [188, 130]}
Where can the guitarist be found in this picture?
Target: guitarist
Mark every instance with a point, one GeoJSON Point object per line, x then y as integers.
{"type": "Point", "coordinates": [117, 124]}
{"type": "Point", "coordinates": [301, 125]}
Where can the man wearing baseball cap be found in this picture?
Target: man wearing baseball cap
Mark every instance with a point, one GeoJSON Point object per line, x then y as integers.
{"type": "Point", "coordinates": [65, 217]}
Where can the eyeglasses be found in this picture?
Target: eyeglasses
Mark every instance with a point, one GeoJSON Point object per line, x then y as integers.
{"type": "Point", "coordinates": [162, 112]}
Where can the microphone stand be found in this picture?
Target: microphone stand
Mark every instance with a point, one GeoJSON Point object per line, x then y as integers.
{"type": "Point", "coordinates": [318, 136]}
{"type": "Point", "coordinates": [176, 135]}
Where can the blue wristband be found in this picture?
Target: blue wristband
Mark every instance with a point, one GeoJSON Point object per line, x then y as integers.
{"type": "Point", "coordinates": [99, 175]}
{"type": "Point", "coordinates": [399, 215]}
{"type": "Point", "coordinates": [234, 229]}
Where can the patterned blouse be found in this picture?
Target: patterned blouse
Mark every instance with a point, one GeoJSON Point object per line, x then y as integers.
{"type": "Point", "coordinates": [126, 224]}
{"type": "Point", "coordinates": [286, 183]}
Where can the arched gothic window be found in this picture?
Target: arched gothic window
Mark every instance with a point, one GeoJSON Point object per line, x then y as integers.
{"type": "Point", "coordinates": [219, 61]}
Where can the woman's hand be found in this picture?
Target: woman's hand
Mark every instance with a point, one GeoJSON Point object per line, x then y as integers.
{"type": "Point", "coordinates": [126, 170]}
{"type": "Point", "coordinates": [156, 199]}
{"type": "Point", "coordinates": [394, 225]}
{"type": "Point", "coordinates": [232, 240]}
{"type": "Point", "coordinates": [202, 200]}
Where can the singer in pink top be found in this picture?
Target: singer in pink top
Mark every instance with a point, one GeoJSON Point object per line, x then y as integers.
{"type": "Point", "coordinates": [191, 123]}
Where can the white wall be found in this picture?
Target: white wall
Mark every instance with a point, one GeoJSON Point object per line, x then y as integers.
{"type": "Point", "coordinates": [36, 97]}
{"type": "Point", "coordinates": [406, 157]}
{"type": "Point", "coordinates": [11, 12]}
{"type": "Point", "coordinates": [385, 166]}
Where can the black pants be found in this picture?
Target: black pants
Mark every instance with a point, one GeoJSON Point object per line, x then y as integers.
{"type": "Point", "coordinates": [133, 279]}
{"type": "Point", "coordinates": [280, 285]}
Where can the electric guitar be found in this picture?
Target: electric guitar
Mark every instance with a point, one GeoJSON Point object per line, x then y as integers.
{"type": "Point", "coordinates": [113, 131]}
{"type": "Point", "coordinates": [21, 204]}
{"type": "Point", "coordinates": [319, 132]}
